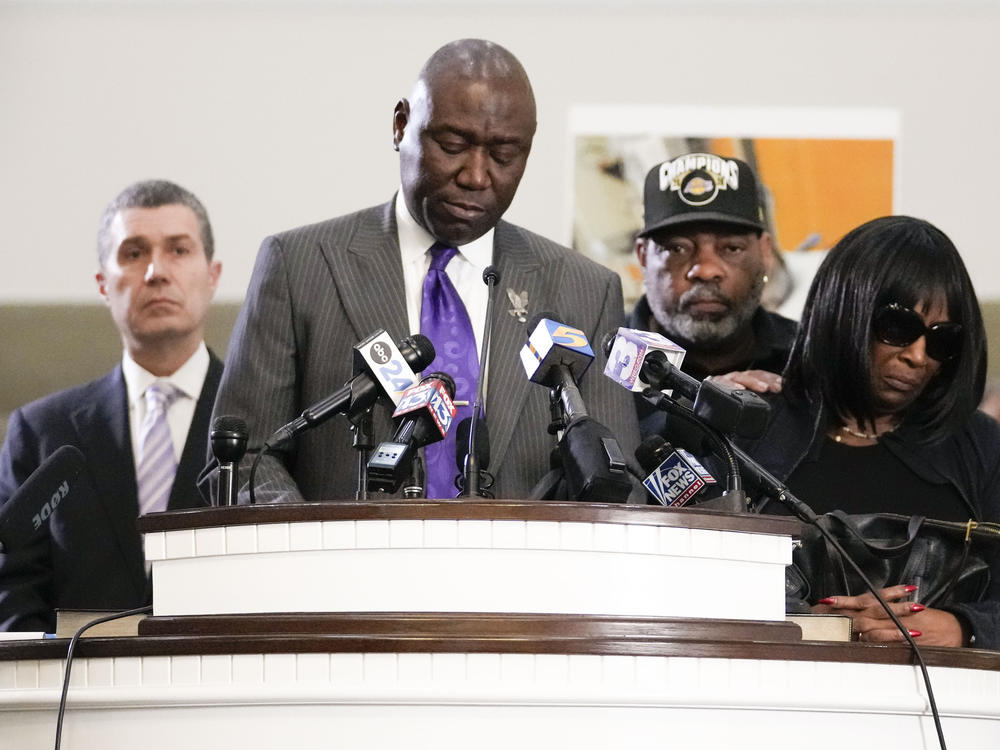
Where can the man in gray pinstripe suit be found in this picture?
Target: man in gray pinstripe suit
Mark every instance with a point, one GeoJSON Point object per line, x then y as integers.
{"type": "Point", "coordinates": [463, 138]}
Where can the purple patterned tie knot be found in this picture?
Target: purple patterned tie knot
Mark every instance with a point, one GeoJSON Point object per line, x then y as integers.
{"type": "Point", "coordinates": [157, 464]}
{"type": "Point", "coordinates": [445, 321]}
{"type": "Point", "coordinates": [441, 256]}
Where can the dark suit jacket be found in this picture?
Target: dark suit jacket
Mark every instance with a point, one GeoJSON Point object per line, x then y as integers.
{"type": "Point", "coordinates": [93, 558]}
{"type": "Point", "coordinates": [318, 290]}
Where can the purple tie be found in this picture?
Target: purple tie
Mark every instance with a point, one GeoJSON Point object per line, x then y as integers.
{"type": "Point", "coordinates": [445, 321]}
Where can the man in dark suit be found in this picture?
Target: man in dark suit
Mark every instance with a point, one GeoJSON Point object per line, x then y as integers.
{"type": "Point", "coordinates": [463, 138]}
{"type": "Point", "coordinates": [157, 277]}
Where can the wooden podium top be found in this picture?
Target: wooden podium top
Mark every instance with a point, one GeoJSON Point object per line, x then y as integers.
{"type": "Point", "coordinates": [468, 509]}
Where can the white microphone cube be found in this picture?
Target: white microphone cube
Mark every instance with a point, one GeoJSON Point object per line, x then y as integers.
{"type": "Point", "coordinates": [553, 343]}
{"type": "Point", "coordinates": [379, 355]}
{"type": "Point", "coordinates": [629, 351]}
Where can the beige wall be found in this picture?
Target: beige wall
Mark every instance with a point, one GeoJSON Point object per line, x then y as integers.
{"type": "Point", "coordinates": [279, 114]}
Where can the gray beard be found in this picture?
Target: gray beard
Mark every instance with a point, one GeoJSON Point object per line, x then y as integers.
{"type": "Point", "coordinates": [708, 334]}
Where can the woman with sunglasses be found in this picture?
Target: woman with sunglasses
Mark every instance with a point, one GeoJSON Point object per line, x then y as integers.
{"type": "Point", "coordinates": [878, 409]}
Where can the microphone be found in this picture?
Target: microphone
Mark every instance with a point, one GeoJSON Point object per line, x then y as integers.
{"type": "Point", "coordinates": [229, 444]}
{"type": "Point", "coordinates": [472, 444]}
{"type": "Point", "coordinates": [557, 356]}
{"type": "Point", "coordinates": [627, 350]}
{"type": "Point", "coordinates": [384, 368]}
{"type": "Point", "coordinates": [471, 479]}
{"type": "Point", "coordinates": [675, 477]}
{"type": "Point", "coordinates": [425, 413]}
{"type": "Point", "coordinates": [594, 466]}
{"type": "Point", "coordinates": [640, 359]}
{"type": "Point", "coordinates": [27, 512]}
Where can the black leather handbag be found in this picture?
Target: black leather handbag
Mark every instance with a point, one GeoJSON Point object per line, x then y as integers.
{"type": "Point", "coordinates": [948, 561]}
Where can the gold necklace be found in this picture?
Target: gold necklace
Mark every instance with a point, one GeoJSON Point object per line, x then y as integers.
{"type": "Point", "coordinates": [859, 434]}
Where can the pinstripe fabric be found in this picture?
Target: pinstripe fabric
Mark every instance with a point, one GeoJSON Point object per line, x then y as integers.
{"type": "Point", "coordinates": [317, 290]}
{"type": "Point", "coordinates": [157, 463]}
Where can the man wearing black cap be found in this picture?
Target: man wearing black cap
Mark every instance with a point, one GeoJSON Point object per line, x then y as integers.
{"type": "Point", "coordinates": [704, 250]}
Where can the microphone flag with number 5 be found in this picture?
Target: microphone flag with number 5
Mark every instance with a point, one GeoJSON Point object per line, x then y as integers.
{"type": "Point", "coordinates": [551, 344]}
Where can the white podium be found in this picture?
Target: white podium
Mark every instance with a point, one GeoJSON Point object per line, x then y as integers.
{"type": "Point", "coordinates": [458, 624]}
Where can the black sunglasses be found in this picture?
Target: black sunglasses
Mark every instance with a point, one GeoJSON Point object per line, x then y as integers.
{"type": "Point", "coordinates": [896, 325]}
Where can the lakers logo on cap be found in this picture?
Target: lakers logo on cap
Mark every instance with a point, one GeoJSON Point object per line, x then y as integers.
{"type": "Point", "coordinates": [698, 188]}
{"type": "Point", "coordinates": [698, 178]}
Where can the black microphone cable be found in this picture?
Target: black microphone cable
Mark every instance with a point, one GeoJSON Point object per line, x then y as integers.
{"type": "Point", "coordinates": [69, 659]}
{"type": "Point", "coordinates": [806, 514]}
{"type": "Point", "coordinates": [776, 489]}
{"type": "Point", "coordinates": [722, 446]}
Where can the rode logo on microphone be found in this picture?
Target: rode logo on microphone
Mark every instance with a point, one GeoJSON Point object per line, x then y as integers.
{"type": "Point", "coordinates": [674, 482]}
{"type": "Point", "coordinates": [46, 510]}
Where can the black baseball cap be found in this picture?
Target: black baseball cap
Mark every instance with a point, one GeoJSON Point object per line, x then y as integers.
{"type": "Point", "coordinates": [701, 187]}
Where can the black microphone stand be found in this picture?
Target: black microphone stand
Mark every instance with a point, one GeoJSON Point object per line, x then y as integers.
{"type": "Point", "coordinates": [364, 442]}
{"type": "Point", "coordinates": [734, 499]}
{"type": "Point", "coordinates": [470, 482]}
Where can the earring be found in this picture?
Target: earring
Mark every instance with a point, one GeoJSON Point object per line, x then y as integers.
{"type": "Point", "coordinates": [765, 278]}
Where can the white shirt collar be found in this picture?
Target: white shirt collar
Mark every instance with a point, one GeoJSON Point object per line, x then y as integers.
{"type": "Point", "coordinates": [188, 379]}
{"type": "Point", "coordinates": [414, 240]}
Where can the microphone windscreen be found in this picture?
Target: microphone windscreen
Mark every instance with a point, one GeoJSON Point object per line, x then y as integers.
{"type": "Point", "coordinates": [446, 380]}
{"type": "Point", "coordinates": [608, 342]}
{"type": "Point", "coordinates": [229, 437]}
{"type": "Point", "coordinates": [537, 318]}
{"type": "Point", "coordinates": [491, 275]}
{"type": "Point", "coordinates": [650, 452]}
{"type": "Point", "coordinates": [228, 426]}
{"type": "Point", "coordinates": [418, 351]}
{"type": "Point", "coordinates": [32, 504]}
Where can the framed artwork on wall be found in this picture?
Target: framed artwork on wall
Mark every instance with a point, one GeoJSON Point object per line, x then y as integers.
{"type": "Point", "coordinates": [821, 171]}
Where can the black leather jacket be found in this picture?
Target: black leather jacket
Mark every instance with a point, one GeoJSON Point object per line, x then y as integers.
{"type": "Point", "coordinates": [968, 460]}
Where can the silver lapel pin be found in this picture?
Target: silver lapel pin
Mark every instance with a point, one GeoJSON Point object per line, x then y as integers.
{"type": "Point", "coordinates": [519, 304]}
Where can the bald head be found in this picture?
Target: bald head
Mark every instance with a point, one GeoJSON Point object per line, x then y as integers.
{"type": "Point", "coordinates": [463, 139]}
{"type": "Point", "coordinates": [473, 59]}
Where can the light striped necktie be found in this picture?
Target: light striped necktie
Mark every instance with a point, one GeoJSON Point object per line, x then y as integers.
{"type": "Point", "coordinates": [157, 464]}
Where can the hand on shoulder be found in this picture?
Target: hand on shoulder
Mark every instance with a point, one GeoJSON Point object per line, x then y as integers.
{"type": "Point", "coordinates": [759, 381]}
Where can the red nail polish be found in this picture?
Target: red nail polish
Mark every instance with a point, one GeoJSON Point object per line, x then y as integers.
{"type": "Point", "coordinates": [911, 589]}
{"type": "Point", "coordinates": [828, 600]}
{"type": "Point", "coordinates": [917, 607]}
{"type": "Point", "coordinates": [915, 634]}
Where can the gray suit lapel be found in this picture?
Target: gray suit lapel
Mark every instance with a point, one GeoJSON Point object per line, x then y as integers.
{"type": "Point", "coordinates": [368, 274]}
{"type": "Point", "coordinates": [521, 270]}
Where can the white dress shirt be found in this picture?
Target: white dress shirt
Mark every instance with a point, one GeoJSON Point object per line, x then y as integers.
{"type": "Point", "coordinates": [188, 380]}
{"type": "Point", "coordinates": [465, 270]}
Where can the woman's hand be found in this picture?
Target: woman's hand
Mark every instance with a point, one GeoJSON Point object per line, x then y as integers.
{"type": "Point", "coordinates": [931, 627]}
{"type": "Point", "coordinates": [759, 381]}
